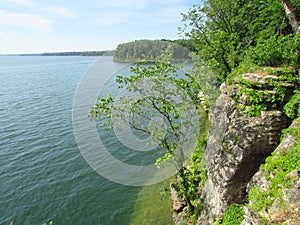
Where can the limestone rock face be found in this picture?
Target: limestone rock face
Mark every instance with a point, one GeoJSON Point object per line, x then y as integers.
{"type": "Point", "coordinates": [237, 145]}
{"type": "Point", "coordinates": [291, 196]}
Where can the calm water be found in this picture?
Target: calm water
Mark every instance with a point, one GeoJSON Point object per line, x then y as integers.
{"type": "Point", "coordinates": [43, 176]}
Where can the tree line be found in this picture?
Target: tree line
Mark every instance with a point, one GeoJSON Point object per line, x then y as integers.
{"type": "Point", "coordinates": [149, 50]}
{"type": "Point", "coordinates": [85, 53]}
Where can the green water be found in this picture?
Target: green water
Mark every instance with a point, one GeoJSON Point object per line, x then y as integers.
{"type": "Point", "coordinates": [153, 205]}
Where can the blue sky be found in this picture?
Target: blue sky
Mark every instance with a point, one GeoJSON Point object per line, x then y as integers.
{"type": "Point", "coordinates": [35, 26]}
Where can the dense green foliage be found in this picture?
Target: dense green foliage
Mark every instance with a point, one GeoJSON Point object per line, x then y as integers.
{"type": "Point", "coordinates": [278, 50]}
{"type": "Point", "coordinates": [234, 37]}
{"type": "Point", "coordinates": [149, 50]}
{"type": "Point", "coordinates": [229, 33]}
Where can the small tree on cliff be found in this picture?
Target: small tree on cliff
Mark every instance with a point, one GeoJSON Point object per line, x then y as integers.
{"type": "Point", "coordinates": [158, 104]}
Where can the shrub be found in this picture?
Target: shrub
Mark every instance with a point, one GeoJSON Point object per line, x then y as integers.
{"type": "Point", "coordinates": [276, 51]}
{"type": "Point", "coordinates": [233, 215]}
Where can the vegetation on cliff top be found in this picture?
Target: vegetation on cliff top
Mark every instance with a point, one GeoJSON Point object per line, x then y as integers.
{"type": "Point", "coordinates": [266, 88]}
{"type": "Point", "coordinates": [237, 37]}
{"type": "Point", "coordinates": [230, 33]}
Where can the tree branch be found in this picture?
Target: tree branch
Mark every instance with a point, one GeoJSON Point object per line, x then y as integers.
{"type": "Point", "coordinates": [291, 15]}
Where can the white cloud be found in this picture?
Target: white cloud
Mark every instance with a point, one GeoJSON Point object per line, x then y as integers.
{"type": "Point", "coordinates": [61, 11]}
{"type": "Point", "coordinates": [23, 2]}
{"type": "Point", "coordinates": [33, 21]}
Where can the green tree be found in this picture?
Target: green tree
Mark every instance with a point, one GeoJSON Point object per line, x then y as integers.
{"type": "Point", "coordinates": [224, 30]}
{"type": "Point", "coordinates": [159, 104]}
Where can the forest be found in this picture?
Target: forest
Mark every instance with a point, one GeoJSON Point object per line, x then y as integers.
{"type": "Point", "coordinates": [139, 50]}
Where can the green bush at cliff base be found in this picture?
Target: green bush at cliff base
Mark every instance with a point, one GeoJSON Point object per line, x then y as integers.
{"type": "Point", "coordinates": [193, 176]}
{"type": "Point", "coordinates": [233, 215]}
{"type": "Point", "coordinates": [192, 180]}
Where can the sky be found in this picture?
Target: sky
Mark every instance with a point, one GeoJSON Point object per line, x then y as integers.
{"type": "Point", "coordinates": [38, 26]}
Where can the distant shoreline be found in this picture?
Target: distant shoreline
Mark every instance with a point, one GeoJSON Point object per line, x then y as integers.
{"type": "Point", "coordinates": [84, 53]}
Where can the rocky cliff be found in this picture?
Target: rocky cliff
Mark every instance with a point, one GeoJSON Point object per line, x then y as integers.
{"type": "Point", "coordinates": [238, 143]}
{"type": "Point", "coordinates": [245, 128]}
{"type": "Point", "coordinates": [237, 146]}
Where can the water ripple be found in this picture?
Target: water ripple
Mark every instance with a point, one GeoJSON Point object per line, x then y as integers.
{"type": "Point", "coordinates": [43, 176]}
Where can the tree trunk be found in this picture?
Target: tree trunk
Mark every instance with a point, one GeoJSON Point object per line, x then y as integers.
{"type": "Point", "coordinates": [290, 13]}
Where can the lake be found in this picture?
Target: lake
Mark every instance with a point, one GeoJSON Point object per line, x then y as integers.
{"type": "Point", "coordinates": [43, 175]}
